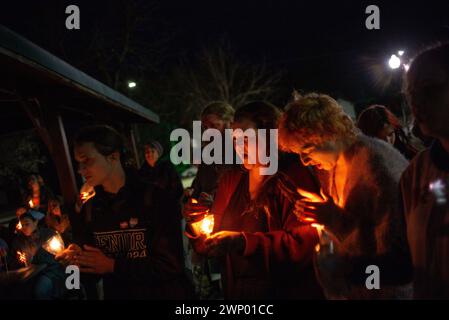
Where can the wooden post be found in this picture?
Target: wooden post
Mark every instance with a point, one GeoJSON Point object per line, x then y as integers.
{"type": "Point", "coordinates": [134, 146]}
{"type": "Point", "coordinates": [61, 157]}
{"type": "Point", "coordinates": [50, 127]}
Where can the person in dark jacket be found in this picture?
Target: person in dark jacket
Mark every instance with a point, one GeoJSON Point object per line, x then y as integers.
{"type": "Point", "coordinates": [425, 183]}
{"type": "Point", "coordinates": [216, 115]}
{"type": "Point", "coordinates": [160, 171]}
{"type": "Point", "coordinates": [265, 252]}
{"type": "Point", "coordinates": [125, 234]}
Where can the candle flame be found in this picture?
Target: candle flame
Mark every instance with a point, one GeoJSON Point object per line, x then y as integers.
{"type": "Point", "coordinates": [22, 257]}
{"type": "Point", "coordinates": [19, 226]}
{"type": "Point", "coordinates": [31, 203]}
{"type": "Point", "coordinates": [194, 200]}
{"type": "Point", "coordinates": [55, 244]}
{"type": "Point", "coordinates": [84, 196]}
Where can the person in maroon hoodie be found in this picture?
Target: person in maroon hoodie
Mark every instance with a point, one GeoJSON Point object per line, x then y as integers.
{"type": "Point", "coordinates": [264, 250]}
{"type": "Point", "coordinates": [126, 233]}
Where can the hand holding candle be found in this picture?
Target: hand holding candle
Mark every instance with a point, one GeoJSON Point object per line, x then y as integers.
{"type": "Point", "coordinates": [86, 192]}
{"type": "Point", "coordinates": [67, 256]}
{"type": "Point", "coordinates": [93, 260]}
{"type": "Point", "coordinates": [194, 211]}
{"type": "Point", "coordinates": [305, 206]}
{"type": "Point", "coordinates": [21, 256]}
{"type": "Point", "coordinates": [224, 242]}
{"type": "Point", "coordinates": [315, 208]}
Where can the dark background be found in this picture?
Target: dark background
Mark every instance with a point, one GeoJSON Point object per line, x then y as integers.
{"type": "Point", "coordinates": [318, 45]}
{"type": "Point", "coordinates": [165, 45]}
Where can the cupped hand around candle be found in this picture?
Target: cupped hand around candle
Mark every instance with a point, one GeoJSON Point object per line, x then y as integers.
{"type": "Point", "coordinates": [206, 199]}
{"type": "Point", "coordinates": [67, 256]}
{"type": "Point", "coordinates": [224, 242]}
{"type": "Point", "coordinates": [93, 260]}
{"type": "Point", "coordinates": [310, 212]}
{"type": "Point", "coordinates": [193, 212]}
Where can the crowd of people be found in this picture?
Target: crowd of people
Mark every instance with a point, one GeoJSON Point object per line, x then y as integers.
{"type": "Point", "coordinates": [348, 194]}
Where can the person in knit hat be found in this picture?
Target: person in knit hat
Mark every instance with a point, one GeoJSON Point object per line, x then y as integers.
{"type": "Point", "coordinates": [159, 171]}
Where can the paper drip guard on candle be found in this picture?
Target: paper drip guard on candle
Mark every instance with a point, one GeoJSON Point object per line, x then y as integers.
{"type": "Point", "coordinates": [204, 226]}
{"type": "Point", "coordinates": [54, 244]}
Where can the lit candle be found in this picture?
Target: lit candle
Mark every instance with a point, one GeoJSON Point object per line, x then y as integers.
{"type": "Point", "coordinates": [54, 245]}
{"type": "Point", "coordinates": [207, 224]}
{"type": "Point", "coordinates": [324, 239]}
{"type": "Point", "coordinates": [22, 258]}
{"type": "Point", "coordinates": [31, 203]}
{"type": "Point", "coordinates": [204, 226]}
{"type": "Point", "coordinates": [87, 192]}
{"type": "Point", "coordinates": [87, 195]}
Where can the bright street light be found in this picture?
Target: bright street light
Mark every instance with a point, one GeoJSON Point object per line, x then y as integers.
{"type": "Point", "coordinates": [132, 84]}
{"type": "Point", "coordinates": [394, 62]}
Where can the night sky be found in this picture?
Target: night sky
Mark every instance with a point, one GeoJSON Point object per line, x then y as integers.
{"type": "Point", "coordinates": [319, 45]}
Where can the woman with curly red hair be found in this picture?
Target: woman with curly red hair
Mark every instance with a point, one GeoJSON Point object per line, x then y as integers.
{"type": "Point", "coordinates": [357, 206]}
